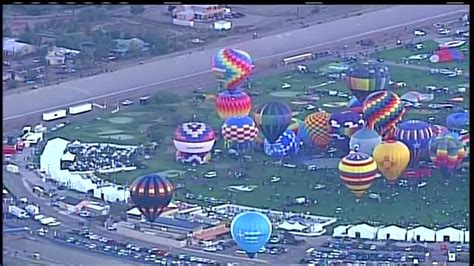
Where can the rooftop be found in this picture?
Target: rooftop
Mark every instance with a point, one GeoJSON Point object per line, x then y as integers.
{"type": "Point", "coordinates": [71, 200]}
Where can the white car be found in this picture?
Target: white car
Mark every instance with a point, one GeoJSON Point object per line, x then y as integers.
{"type": "Point", "coordinates": [419, 33]}
{"type": "Point", "coordinates": [285, 86]}
{"type": "Point", "coordinates": [210, 174]}
{"type": "Point", "coordinates": [419, 46]}
{"type": "Point", "coordinates": [127, 102]}
{"type": "Point", "coordinates": [443, 31]}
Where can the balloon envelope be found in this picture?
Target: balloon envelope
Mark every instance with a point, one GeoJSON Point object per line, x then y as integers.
{"type": "Point", "coordinates": [273, 118]}
{"type": "Point", "coordinates": [447, 153]}
{"type": "Point", "coordinates": [458, 120]}
{"type": "Point", "coordinates": [365, 140]}
{"type": "Point", "coordinates": [151, 194]}
{"type": "Point", "coordinates": [236, 103]}
{"type": "Point", "coordinates": [416, 135]}
{"type": "Point", "coordinates": [317, 125]}
{"type": "Point", "coordinates": [251, 231]}
{"type": "Point", "coordinates": [357, 171]}
{"type": "Point", "coordinates": [343, 125]}
{"type": "Point", "coordinates": [239, 132]}
{"type": "Point", "coordinates": [382, 111]}
{"type": "Point", "coordinates": [194, 137]}
{"type": "Point", "coordinates": [365, 78]}
{"type": "Point", "coordinates": [232, 67]}
{"type": "Point", "coordinates": [392, 158]}
{"type": "Point", "coordinates": [287, 144]}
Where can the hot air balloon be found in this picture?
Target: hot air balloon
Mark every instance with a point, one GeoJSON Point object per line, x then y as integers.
{"type": "Point", "coordinates": [295, 125]}
{"type": "Point", "coordinates": [363, 79]}
{"type": "Point", "coordinates": [151, 194]}
{"type": "Point", "coordinates": [382, 111]}
{"type": "Point", "coordinates": [232, 67]}
{"type": "Point", "coordinates": [273, 119]}
{"type": "Point", "coordinates": [458, 121]}
{"type": "Point", "coordinates": [354, 105]}
{"type": "Point", "coordinates": [416, 135]}
{"type": "Point", "coordinates": [193, 158]}
{"type": "Point", "coordinates": [317, 125]}
{"type": "Point", "coordinates": [357, 171]}
{"type": "Point", "coordinates": [447, 153]}
{"type": "Point", "coordinates": [464, 138]}
{"type": "Point", "coordinates": [343, 125]}
{"type": "Point", "coordinates": [439, 130]}
{"type": "Point", "coordinates": [392, 157]}
{"type": "Point", "coordinates": [193, 138]}
{"type": "Point", "coordinates": [239, 132]}
{"type": "Point", "coordinates": [446, 55]}
{"type": "Point", "coordinates": [287, 144]}
{"type": "Point", "coordinates": [364, 140]}
{"type": "Point", "coordinates": [237, 103]}
{"type": "Point", "coordinates": [251, 231]}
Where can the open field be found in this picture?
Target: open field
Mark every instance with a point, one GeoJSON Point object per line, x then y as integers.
{"type": "Point", "coordinates": [436, 203]}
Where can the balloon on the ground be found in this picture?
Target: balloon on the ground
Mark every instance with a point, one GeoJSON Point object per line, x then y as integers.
{"type": "Point", "coordinates": [382, 111]}
{"type": "Point", "coordinates": [343, 125]}
{"type": "Point", "coordinates": [392, 158]}
{"type": "Point", "coordinates": [232, 67]}
{"type": "Point", "coordinates": [446, 55]}
{"type": "Point", "coordinates": [287, 144]}
{"type": "Point", "coordinates": [364, 140]}
{"type": "Point", "coordinates": [365, 78]}
{"type": "Point", "coordinates": [237, 103]}
{"type": "Point", "coordinates": [194, 137]}
{"type": "Point", "coordinates": [416, 135]}
{"type": "Point", "coordinates": [239, 132]}
{"type": "Point", "coordinates": [151, 194]}
{"type": "Point", "coordinates": [357, 171]}
{"type": "Point", "coordinates": [317, 125]}
{"type": "Point", "coordinates": [251, 231]}
{"type": "Point", "coordinates": [458, 120]}
{"type": "Point", "coordinates": [193, 158]}
{"type": "Point", "coordinates": [447, 153]}
{"type": "Point", "coordinates": [273, 118]}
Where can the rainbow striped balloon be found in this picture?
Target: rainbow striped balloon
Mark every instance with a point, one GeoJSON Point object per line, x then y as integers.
{"type": "Point", "coordinates": [447, 153]}
{"type": "Point", "coordinates": [237, 103]}
{"type": "Point", "coordinates": [357, 171]}
{"type": "Point", "coordinates": [232, 67]}
{"type": "Point", "coordinates": [383, 110]}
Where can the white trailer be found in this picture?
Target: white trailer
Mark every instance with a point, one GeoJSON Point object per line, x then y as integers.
{"type": "Point", "coordinates": [53, 115]}
{"type": "Point", "coordinates": [12, 168]}
{"type": "Point", "coordinates": [17, 212]}
{"type": "Point", "coordinates": [79, 109]}
{"type": "Point", "coordinates": [297, 58]}
{"type": "Point", "coordinates": [32, 210]}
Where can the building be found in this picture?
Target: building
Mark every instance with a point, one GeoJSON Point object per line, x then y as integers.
{"type": "Point", "coordinates": [340, 231]}
{"type": "Point", "coordinates": [466, 236]}
{"type": "Point", "coordinates": [199, 12]}
{"type": "Point", "coordinates": [125, 46]}
{"type": "Point", "coordinates": [112, 193]}
{"type": "Point", "coordinates": [212, 233]}
{"type": "Point", "coordinates": [51, 157]}
{"type": "Point", "coordinates": [449, 234]}
{"type": "Point", "coordinates": [392, 232]}
{"type": "Point", "coordinates": [11, 47]}
{"type": "Point", "coordinates": [97, 209]}
{"type": "Point", "coordinates": [54, 58]}
{"type": "Point", "coordinates": [71, 204]}
{"type": "Point", "coordinates": [362, 231]}
{"type": "Point", "coordinates": [421, 234]}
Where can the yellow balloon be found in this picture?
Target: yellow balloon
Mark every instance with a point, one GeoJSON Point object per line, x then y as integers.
{"type": "Point", "coordinates": [392, 157]}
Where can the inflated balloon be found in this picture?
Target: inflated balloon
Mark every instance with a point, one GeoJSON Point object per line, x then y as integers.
{"type": "Point", "coordinates": [464, 138]}
{"type": "Point", "coordinates": [382, 111]}
{"type": "Point", "coordinates": [317, 125]}
{"type": "Point", "coordinates": [251, 231]}
{"type": "Point", "coordinates": [232, 67]}
{"type": "Point", "coordinates": [194, 137]}
{"type": "Point", "coordinates": [273, 118]}
{"type": "Point", "coordinates": [364, 140]}
{"type": "Point", "coordinates": [237, 103]}
{"type": "Point", "coordinates": [416, 135]}
{"type": "Point", "coordinates": [458, 121]}
{"type": "Point", "coordinates": [355, 105]}
{"type": "Point", "coordinates": [287, 144]}
{"type": "Point", "coordinates": [151, 194]}
{"type": "Point", "coordinates": [239, 132]}
{"type": "Point", "coordinates": [193, 158]}
{"type": "Point", "coordinates": [343, 125]}
{"type": "Point", "coordinates": [392, 158]}
{"type": "Point", "coordinates": [363, 79]}
{"type": "Point", "coordinates": [447, 153]}
{"type": "Point", "coordinates": [357, 171]}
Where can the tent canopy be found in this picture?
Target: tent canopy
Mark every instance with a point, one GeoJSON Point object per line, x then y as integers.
{"type": "Point", "coordinates": [292, 226]}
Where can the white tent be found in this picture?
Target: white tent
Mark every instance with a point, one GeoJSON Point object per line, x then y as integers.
{"type": "Point", "coordinates": [68, 157]}
{"type": "Point", "coordinates": [52, 153]}
{"type": "Point", "coordinates": [363, 231]}
{"type": "Point", "coordinates": [466, 236]}
{"type": "Point", "coordinates": [112, 193]}
{"type": "Point", "coordinates": [449, 234]}
{"type": "Point", "coordinates": [81, 184]}
{"type": "Point", "coordinates": [134, 211]}
{"type": "Point", "coordinates": [295, 226]}
{"type": "Point", "coordinates": [340, 231]}
{"type": "Point", "coordinates": [421, 234]}
{"type": "Point", "coordinates": [392, 232]}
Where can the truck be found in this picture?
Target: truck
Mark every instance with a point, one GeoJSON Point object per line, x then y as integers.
{"type": "Point", "coordinates": [17, 212]}
{"type": "Point", "coordinates": [79, 109]}
{"type": "Point", "coordinates": [53, 115]}
{"type": "Point", "coordinates": [32, 210]}
{"type": "Point", "coordinates": [12, 168]}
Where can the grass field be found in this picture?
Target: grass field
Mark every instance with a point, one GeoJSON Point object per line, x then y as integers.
{"type": "Point", "coordinates": [436, 203]}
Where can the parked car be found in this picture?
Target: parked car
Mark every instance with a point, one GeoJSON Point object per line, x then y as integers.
{"type": "Point", "coordinates": [419, 33]}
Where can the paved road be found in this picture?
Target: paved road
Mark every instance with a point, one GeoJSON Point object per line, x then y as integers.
{"type": "Point", "coordinates": [164, 73]}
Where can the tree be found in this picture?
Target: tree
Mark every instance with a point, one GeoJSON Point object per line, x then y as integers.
{"type": "Point", "coordinates": [90, 14]}
{"type": "Point", "coordinates": [137, 9]}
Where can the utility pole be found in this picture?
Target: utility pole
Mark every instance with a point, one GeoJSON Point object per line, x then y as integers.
{"type": "Point", "coordinates": [297, 12]}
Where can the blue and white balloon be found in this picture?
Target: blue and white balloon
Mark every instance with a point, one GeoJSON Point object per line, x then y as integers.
{"type": "Point", "coordinates": [286, 144]}
{"type": "Point", "coordinates": [251, 231]}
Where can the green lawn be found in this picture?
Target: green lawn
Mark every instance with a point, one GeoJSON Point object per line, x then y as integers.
{"type": "Point", "coordinates": [163, 116]}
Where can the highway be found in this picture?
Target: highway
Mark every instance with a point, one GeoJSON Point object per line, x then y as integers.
{"type": "Point", "coordinates": [188, 71]}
